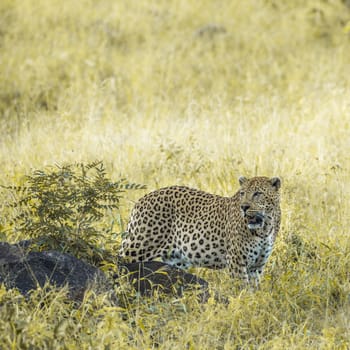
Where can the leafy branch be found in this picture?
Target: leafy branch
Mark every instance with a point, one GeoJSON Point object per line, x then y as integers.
{"type": "Point", "coordinates": [62, 207]}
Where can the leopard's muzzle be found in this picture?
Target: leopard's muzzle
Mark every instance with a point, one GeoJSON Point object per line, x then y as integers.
{"type": "Point", "coordinates": [256, 219]}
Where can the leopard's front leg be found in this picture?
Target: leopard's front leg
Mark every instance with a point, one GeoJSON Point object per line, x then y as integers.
{"type": "Point", "coordinates": [254, 275]}
{"type": "Point", "coordinates": [238, 269]}
{"type": "Point", "coordinates": [249, 276]}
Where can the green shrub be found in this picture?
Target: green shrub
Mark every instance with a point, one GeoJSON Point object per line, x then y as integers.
{"type": "Point", "coordinates": [64, 208]}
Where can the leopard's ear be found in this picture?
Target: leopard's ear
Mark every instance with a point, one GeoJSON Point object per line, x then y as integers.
{"type": "Point", "coordinates": [242, 180]}
{"type": "Point", "coordinates": [276, 183]}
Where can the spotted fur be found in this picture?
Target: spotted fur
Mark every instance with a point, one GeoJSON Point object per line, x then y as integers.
{"type": "Point", "coordinates": [187, 227]}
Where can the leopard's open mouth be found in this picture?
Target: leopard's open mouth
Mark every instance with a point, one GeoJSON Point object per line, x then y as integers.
{"type": "Point", "coordinates": [255, 221]}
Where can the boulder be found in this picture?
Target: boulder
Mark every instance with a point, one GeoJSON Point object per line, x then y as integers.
{"type": "Point", "coordinates": [27, 271]}
{"type": "Point", "coordinates": [150, 276]}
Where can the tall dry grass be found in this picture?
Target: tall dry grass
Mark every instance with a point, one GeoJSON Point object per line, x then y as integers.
{"type": "Point", "coordinates": [193, 93]}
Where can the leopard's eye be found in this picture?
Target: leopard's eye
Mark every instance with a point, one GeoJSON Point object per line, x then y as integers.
{"type": "Point", "coordinates": [242, 193]}
{"type": "Point", "coordinates": [256, 195]}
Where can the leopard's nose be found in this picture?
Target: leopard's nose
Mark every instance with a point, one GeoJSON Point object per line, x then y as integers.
{"type": "Point", "coordinates": [245, 207]}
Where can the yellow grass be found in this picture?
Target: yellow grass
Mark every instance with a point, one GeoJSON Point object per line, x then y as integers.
{"type": "Point", "coordinates": [193, 93]}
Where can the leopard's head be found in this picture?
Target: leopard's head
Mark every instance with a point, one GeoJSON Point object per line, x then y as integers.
{"type": "Point", "coordinates": [259, 197]}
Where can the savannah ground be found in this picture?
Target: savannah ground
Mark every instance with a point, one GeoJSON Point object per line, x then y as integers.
{"type": "Point", "coordinates": [193, 93]}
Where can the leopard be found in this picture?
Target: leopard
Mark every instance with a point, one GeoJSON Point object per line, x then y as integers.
{"type": "Point", "coordinates": [187, 227]}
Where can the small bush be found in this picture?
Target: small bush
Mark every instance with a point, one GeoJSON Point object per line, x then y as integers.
{"type": "Point", "coordinates": [63, 207]}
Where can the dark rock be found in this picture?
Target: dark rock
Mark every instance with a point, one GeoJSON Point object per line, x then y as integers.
{"type": "Point", "coordinates": [27, 271]}
{"type": "Point", "coordinates": [146, 277]}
